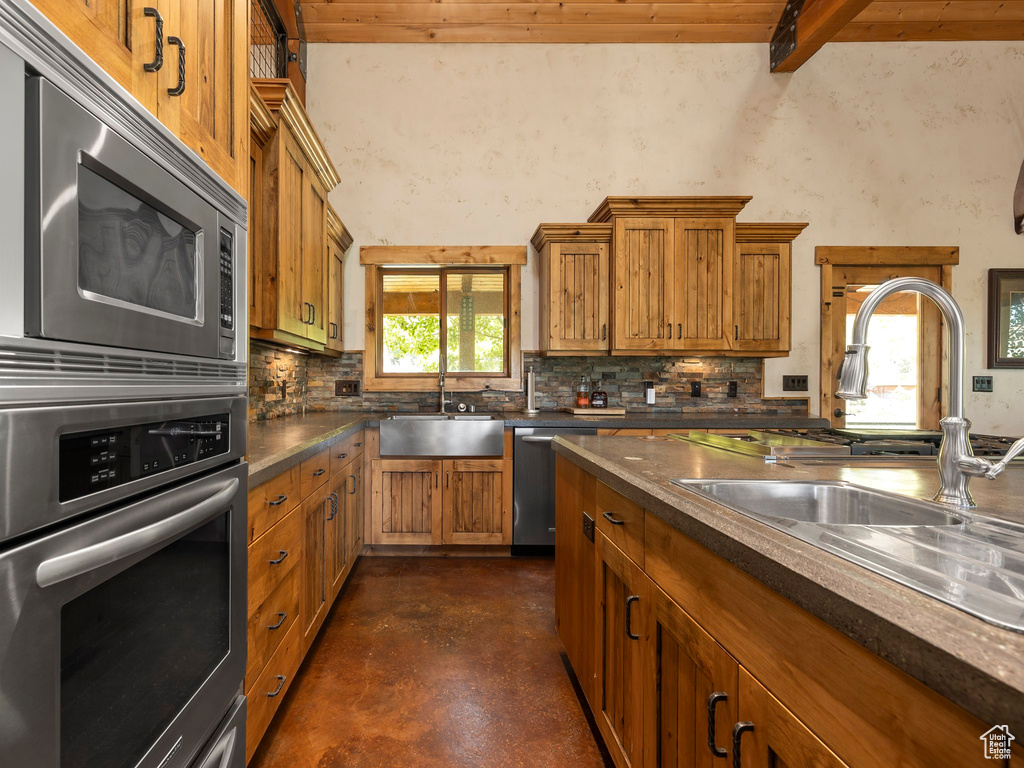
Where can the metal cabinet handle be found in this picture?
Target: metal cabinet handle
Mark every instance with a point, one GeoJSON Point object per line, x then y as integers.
{"type": "Point", "coordinates": [604, 331]}
{"type": "Point", "coordinates": [280, 685]}
{"type": "Point", "coordinates": [319, 472]}
{"type": "Point", "coordinates": [312, 319]}
{"type": "Point", "coordinates": [435, 480]}
{"type": "Point", "coordinates": [281, 617]}
{"type": "Point", "coordinates": [180, 87]}
{"type": "Point", "coordinates": [447, 479]}
{"type": "Point", "coordinates": [333, 497]}
{"type": "Point", "coordinates": [736, 332]}
{"type": "Point", "coordinates": [353, 478]}
{"type": "Point", "coordinates": [358, 445]}
{"type": "Point", "coordinates": [334, 332]}
{"type": "Point", "coordinates": [737, 732]}
{"type": "Point", "coordinates": [629, 614]}
{"type": "Point", "coordinates": [679, 333]}
{"type": "Point", "coordinates": [283, 554]}
{"type": "Point", "coordinates": [613, 520]}
{"type": "Point", "coordinates": [670, 330]}
{"type": "Point", "coordinates": [342, 455]}
{"type": "Point", "coordinates": [281, 499]}
{"type": "Point", "coordinates": [713, 700]}
{"type": "Point", "coordinates": [158, 58]}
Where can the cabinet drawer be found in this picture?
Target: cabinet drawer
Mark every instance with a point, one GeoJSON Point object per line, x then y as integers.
{"type": "Point", "coordinates": [270, 502]}
{"type": "Point", "coordinates": [621, 521]}
{"type": "Point", "coordinates": [272, 557]}
{"type": "Point", "coordinates": [343, 451]}
{"type": "Point", "coordinates": [269, 624]}
{"type": "Point", "coordinates": [269, 689]}
{"type": "Point", "coordinates": [314, 472]}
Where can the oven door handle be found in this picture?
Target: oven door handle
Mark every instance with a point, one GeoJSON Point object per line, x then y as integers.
{"type": "Point", "coordinates": [68, 566]}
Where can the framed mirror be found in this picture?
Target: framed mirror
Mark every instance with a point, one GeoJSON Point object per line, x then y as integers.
{"type": "Point", "coordinates": [1006, 318]}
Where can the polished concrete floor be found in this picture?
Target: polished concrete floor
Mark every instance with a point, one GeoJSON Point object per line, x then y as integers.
{"type": "Point", "coordinates": [431, 662]}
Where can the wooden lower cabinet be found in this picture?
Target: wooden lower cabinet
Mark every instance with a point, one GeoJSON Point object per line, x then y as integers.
{"type": "Point", "coordinates": [696, 663]}
{"type": "Point", "coordinates": [338, 554]}
{"type": "Point", "coordinates": [441, 501]}
{"type": "Point", "coordinates": [269, 689]}
{"type": "Point", "coordinates": [623, 632]}
{"type": "Point", "coordinates": [315, 511]}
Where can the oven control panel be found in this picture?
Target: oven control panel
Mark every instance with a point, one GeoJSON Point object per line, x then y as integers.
{"type": "Point", "coordinates": [98, 460]}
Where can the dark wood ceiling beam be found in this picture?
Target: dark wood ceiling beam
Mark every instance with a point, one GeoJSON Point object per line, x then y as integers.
{"type": "Point", "coordinates": [806, 26]}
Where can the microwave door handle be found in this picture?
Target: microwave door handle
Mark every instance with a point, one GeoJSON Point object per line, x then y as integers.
{"type": "Point", "coordinates": [81, 561]}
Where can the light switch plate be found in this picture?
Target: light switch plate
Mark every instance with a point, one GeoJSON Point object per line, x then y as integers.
{"type": "Point", "coordinates": [791, 383]}
{"type": "Point", "coordinates": [982, 383]}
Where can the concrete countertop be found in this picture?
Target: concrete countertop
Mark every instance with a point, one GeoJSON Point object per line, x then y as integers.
{"type": "Point", "coordinates": [278, 444]}
{"type": "Point", "coordinates": [977, 665]}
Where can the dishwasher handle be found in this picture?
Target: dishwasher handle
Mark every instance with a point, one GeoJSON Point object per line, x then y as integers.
{"type": "Point", "coordinates": [535, 439]}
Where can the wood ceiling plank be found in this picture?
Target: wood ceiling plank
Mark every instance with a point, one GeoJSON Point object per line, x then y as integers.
{"type": "Point", "coordinates": [892, 32]}
{"type": "Point", "coordinates": [885, 11]}
{"type": "Point", "coordinates": [818, 22]}
{"type": "Point", "coordinates": [539, 33]}
{"type": "Point", "coordinates": [415, 14]}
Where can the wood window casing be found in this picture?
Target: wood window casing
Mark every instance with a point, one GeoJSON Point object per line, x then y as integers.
{"type": "Point", "coordinates": [468, 260]}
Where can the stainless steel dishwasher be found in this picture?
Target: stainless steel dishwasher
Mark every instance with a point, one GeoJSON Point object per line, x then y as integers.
{"type": "Point", "coordinates": [534, 489]}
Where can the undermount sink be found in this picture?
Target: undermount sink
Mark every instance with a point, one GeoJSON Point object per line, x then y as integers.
{"type": "Point", "coordinates": [442, 434]}
{"type": "Point", "coordinates": [824, 503]}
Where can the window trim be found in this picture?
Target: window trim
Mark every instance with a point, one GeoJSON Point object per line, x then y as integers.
{"type": "Point", "coordinates": [511, 381]}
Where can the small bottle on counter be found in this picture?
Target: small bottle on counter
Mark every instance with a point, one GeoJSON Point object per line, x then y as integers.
{"type": "Point", "coordinates": [583, 393]}
{"type": "Point", "coordinates": [598, 398]}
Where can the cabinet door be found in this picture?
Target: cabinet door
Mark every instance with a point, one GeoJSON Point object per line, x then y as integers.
{"type": "Point", "coordinates": [622, 626]}
{"type": "Point", "coordinates": [406, 501]}
{"type": "Point", "coordinates": [644, 311]}
{"type": "Point", "coordinates": [314, 256]}
{"type": "Point", "coordinates": [335, 294]}
{"type": "Point", "coordinates": [703, 283]}
{"type": "Point", "coordinates": [315, 510]}
{"type": "Point", "coordinates": [684, 669]}
{"type": "Point", "coordinates": [777, 739]}
{"type": "Point", "coordinates": [578, 297]}
{"type": "Point", "coordinates": [286, 215]}
{"type": "Point", "coordinates": [336, 537]}
{"type": "Point", "coordinates": [210, 113]}
{"type": "Point", "coordinates": [477, 501]}
{"type": "Point", "coordinates": [761, 297]}
{"type": "Point", "coordinates": [256, 233]}
{"type": "Point", "coordinates": [353, 475]}
{"type": "Point", "coordinates": [575, 492]}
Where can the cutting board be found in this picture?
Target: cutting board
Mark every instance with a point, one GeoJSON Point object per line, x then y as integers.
{"type": "Point", "coordinates": [596, 411]}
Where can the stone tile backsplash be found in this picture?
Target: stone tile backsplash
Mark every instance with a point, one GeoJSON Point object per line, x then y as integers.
{"type": "Point", "coordinates": [282, 382]}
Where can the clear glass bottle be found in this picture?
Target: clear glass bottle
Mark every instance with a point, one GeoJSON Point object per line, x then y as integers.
{"type": "Point", "coordinates": [583, 393]}
{"type": "Point", "coordinates": [598, 398]}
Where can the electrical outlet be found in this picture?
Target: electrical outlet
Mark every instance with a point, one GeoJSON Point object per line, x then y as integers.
{"type": "Point", "coordinates": [733, 389]}
{"type": "Point", "coordinates": [346, 388]}
{"type": "Point", "coordinates": [588, 526]}
{"type": "Point", "coordinates": [793, 383]}
{"type": "Point", "coordinates": [982, 383]}
{"type": "Point", "coordinates": [694, 389]}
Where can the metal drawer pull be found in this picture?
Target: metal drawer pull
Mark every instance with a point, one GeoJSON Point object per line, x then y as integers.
{"type": "Point", "coordinates": [158, 58]}
{"type": "Point", "coordinates": [280, 685]}
{"type": "Point", "coordinates": [670, 330]}
{"type": "Point", "coordinates": [629, 614]}
{"type": "Point", "coordinates": [737, 732]}
{"type": "Point", "coordinates": [180, 87]}
{"type": "Point", "coordinates": [319, 472]}
{"type": "Point", "coordinates": [283, 554]}
{"type": "Point", "coordinates": [604, 331]}
{"type": "Point", "coordinates": [713, 700]}
{"type": "Point", "coordinates": [680, 334]}
{"type": "Point", "coordinates": [350, 493]}
{"type": "Point", "coordinates": [281, 499]}
{"type": "Point", "coordinates": [281, 617]}
{"type": "Point", "coordinates": [358, 445]}
{"type": "Point", "coordinates": [342, 455]}
{"type": "Point", "coordinates": [614, 521]}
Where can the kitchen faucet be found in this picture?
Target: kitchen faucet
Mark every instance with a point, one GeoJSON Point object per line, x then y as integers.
{"type": "Point", "coordinates": [957, 462]}
{"type": "Point", "coordinates": [440, 381]}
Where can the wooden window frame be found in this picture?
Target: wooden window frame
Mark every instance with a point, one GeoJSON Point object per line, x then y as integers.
{"type": "Point", "coordinates": [473, 258]}
{"type": "Point", "coordinates": [902, 261]}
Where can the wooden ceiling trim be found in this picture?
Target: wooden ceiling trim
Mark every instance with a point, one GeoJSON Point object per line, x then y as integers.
{"type": "Point", "coordinates": [924, 31]}
{"type": "Point", "coordinates": [928, 11]}
{"type": "Point", "coordinates": [442, 254]}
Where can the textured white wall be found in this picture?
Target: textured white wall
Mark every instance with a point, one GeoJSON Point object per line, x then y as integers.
{"type": "Point", "coordinates": [873, 144]}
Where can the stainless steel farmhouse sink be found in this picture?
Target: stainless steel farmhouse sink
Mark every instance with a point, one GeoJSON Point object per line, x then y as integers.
{"type": "Point", "coordinates": [442, 434]}
{"type": "Point", "coordinates": [823, 503]}
{"type": "Point", "coordinates": [965, 559]}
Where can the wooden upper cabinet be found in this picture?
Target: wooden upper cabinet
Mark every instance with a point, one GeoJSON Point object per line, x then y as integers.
{"type": "Point", "coordinates": [703, 282]}
{"type": "Point", "coordinates": [763, 286]}
{"type": "Point", "coordinates": [575, 278]}
{"type": "Point", "coordinates": [477, 506]}
{"type": "Point", "coordinates": [314, 258]}
{"type": "Point", "coordinates": [644, 308]}
{"type": "Point", "coordinates": [338, 242]}
{"type": "Point", "coordinates": [206, 105]}
{"type": "Point", "coordinates": [286, 223]}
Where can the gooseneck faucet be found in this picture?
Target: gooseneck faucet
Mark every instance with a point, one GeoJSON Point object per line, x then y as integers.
{"type": "Point", "coordinates": [443, 364]}
{"type": "Point", "coordinates": [957, 462]}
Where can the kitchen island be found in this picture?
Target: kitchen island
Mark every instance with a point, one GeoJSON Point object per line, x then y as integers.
{"type": "Point", "coordinates": [855, 659]}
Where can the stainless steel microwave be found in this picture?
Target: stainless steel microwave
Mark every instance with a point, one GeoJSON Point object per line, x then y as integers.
{"type": "Point", "coordinates": [119, 252]}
